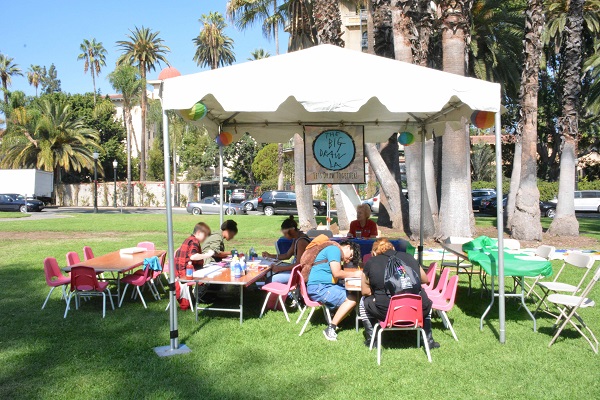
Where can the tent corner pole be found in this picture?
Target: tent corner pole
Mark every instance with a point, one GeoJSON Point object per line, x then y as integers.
{"type": "Point", "coordinates": [221, 198]}
{"type": "Point", "coordinates": [422, 205]}
{"type": "Point", "coordinates": [500, 225]}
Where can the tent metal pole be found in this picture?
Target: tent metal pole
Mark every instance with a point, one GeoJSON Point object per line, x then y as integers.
{"type": "Point", "coordinates": [423, 194]}
{"type": "Point", "coordinates": [221, 198]}
{"type": "Point", "coordinates": [500, 224]}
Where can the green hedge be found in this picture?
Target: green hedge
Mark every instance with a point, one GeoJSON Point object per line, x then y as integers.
{"type": "Point", "coordinates": [548, 190]}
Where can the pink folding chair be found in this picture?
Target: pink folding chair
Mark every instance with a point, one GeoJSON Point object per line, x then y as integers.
{"type": "Point", "coordinates": [55, 278]}
{"type": "Point", "coordinates": [309, 304]}
{"type": "Point", "coordinates": [149, 246]}
{"type": "Point", "coordinates": [404, 314]}
{"type": "Point", "coordinates": [137, 280]}
{"type": "Point", "coordinates": [442, 283]}
{"type": "Point", "coordinates": [72, 258]}
{"type": "Point", "coordinates": [85, 282]}
{"type": "Point", "coordinates": [281, 290]}
{"type": "Point", "coordinates": [430, 277]}
{"type": "Point", "coordinates": [445, 303]}
{"type": "Point", "coordinates": [88, 254]}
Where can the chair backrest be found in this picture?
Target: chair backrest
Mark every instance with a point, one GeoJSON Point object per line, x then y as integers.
{"type": "Point", "coordinates": [512, 244]}
{"type": "Point", "coordinates": [405, 311]}
{"type": "Point", "coordinates": [578, 260]}
{"type": "Point", "coordinates": [545, 251]}
{"type": "Point", "coordinates": [51, 270]}
{"type": "Point", "coordinates": [457, 240]}
{"type": "Point", "coordinates": [303, 292]}
{"type": "Point", "coordinates": [88, 254]}
{"type": "Point", "coordinates": [313, 233]}
{"type": "Point", "coordinates": [293, 281]}
{"type": "Point", "coordinates": [450, 292]}
{"type": "Point", "coordinates": [586, 291]}
{"type": "Point", "coordinates": [72, 258]}
{"type": "Point", "coordinates": [443, 281]}
{"type": "Point", "coordinates": [147, 245]}
{"type": "Point", "coordinates": [366, 258]}
{"type": "Point", "coordinates": [84, 279]}
{"type": "Point", "coordinates": [430, 276]}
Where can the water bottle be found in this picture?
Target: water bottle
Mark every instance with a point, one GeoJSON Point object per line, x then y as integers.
{"type": "Point", "coordinates": [232, 264]}
{"type": "Point", "coordinates": [237, 270]}
{"type": "Point", "coordinates": [189, 270]}
{"type": "Point", "coordinates": [251, 253]}
{"type": "Point", "coordinates": [243, 265]}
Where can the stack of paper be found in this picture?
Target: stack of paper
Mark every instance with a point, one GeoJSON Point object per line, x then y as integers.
{"type": "Point", "coordinates": [210, 271]}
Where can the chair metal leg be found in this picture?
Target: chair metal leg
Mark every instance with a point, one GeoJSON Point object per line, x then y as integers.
{"type": "Point", "coordinates": [312, 310]}
{"type": "Point", "coordinates": [283, 308]}
{"type": "Point", "coordinates": [103, 304]}
{"type": "Point", "coordinates": [379, 346]}
{"type": "Point", "coordinates": [123, 295]}
{"type": "Point", "coordinates": [68, 304]}
{"type": "Point", "coordinates": [110, 297]}
{"type": "Point", "coordinates": [327, 314]}
{"type": "Point", "coordinates": [377, 326]}
{"type": "Point", "coordinates": [47, 297]}
{"type": "Point", "coordinates": [141, 297]}
{"type": "Point", "coordinates": [425, 344]}
{"type": "Point", "coordinates": [301, 314]}
{"type": "Point", "coordinates": [448, 324]}
{"type": "Point", "coordinates": [262, 311]}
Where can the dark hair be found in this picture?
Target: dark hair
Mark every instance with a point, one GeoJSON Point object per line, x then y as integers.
{"type": "Point", "coordinates": [357, 258]}
{"type": "Point", "coordinates": [230, 225]}
{"type": "Point", "coordinates": [201, 227]}
{"type": "Point", "coordinates": [289, 222]}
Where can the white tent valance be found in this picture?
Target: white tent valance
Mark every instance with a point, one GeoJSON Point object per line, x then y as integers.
{"type": "Point", "coordinates": [272, 98]}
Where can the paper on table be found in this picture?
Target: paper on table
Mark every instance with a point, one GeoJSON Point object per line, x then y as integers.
{"type": "Point", "coordinates": [204, 272]}
{"type": "Point", "coordinates": [132, 250]}
{"type": "Point", "coordinates": [352, 281]}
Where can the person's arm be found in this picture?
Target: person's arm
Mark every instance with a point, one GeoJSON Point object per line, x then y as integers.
{"type": "Point", "coordinates": [202, 256]}
{"type": "Point", "coordinates": [373, 229]}
{"type": "Point", "coordinates": [285, 256]}
{"type": "Point", "coordinates": [424, 279]}
{"type": "Point", "coordinates": [352, 231]}
{"type": "Point", "coordinates": [365, 286]}
{"type": "Point", "coordinates": [222, 254]}
{"type": "Point", "coordinates": [339, 273]}
{"type": "Point", "coordinates": [300, 249]}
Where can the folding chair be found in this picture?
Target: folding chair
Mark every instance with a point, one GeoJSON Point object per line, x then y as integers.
{"type": "Point", "coordinates": [577, 260]}
{"type": "Point", "coordinates": [570, 304]}
{"type": "Point", "coordinates": [445, 303]}
{"type": "Point", "coordinates": [85, 282]}
{"type": "Point", "coordinates": [281, 290]}
{"type": "Point", "coordinates": [309, 304]}
{"type": "Point", "coordinates": [442, 283]}
{"type": "Point", "coordinates": [546, 252]}
{"type": "Point", "coordinates": [404, 314]}
{"type": "Point", "coordinates": [462, 267]}
{"type": "Point", "coordinates": [55, 278]}
{"type": "Point", "coordinates": [430, 277]}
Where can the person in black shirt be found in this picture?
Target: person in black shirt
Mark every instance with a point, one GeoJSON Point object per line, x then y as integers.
{"type": "Point", "coordinates": [375, 302]}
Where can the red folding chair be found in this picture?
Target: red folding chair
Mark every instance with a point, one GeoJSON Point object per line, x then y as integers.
{"type": "Point", "coordinates": [55, 278]}
{"type": "Point", "coordinates": [281, 290]}
{"type": "Point", "coordinates": [309, 304]}
{"type": "Point", "coordinates": [85, 282]}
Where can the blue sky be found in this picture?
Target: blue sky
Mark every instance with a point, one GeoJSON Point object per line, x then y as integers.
{"type": "Point", "coordinates": [46, 32]}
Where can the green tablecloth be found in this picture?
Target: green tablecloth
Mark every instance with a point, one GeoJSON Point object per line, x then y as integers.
{"type": "Point", "coordinates": [483, 251]}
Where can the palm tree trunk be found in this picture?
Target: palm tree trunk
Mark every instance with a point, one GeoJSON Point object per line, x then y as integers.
{"type": "Point", "coordinates": [565, 223]}
{"type": "Point", "coordinates": [304, 196]}
{"type": "Point", "coordinates": [370, 28]}
{"type": "Point", "coordinates": [144, 136]}
{"type": "Point", "coordinates": [402, 26]}
{"type": "Point", "coordinates": [456, 214]}
{"type": "Point", "coordinates": [276, 29]}
{"type": "Point", "coordinates": [280, 162]}
{"type": "Point", "coordinates": [129, 129]}
{"type": "Point", "coordinates": [525, 222]}
{"type": "Point", "coordinates": [328, 22]}
{"type": "Point", "coordinates": [94, 83]}
{"type": "Point", "coordinates": [515, 178]}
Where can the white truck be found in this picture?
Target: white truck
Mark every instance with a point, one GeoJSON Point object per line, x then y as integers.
{"type": "Point", "coordinates": [27, 182]}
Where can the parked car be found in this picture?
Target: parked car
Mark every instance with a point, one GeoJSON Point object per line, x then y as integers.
{"type": "Point", "coordinates": [211, 205]}
{"type": "Point", "coordinates": [374, 201]}
{"type": "Point", "coordinates": [547, 209]}
{"type": "Point", "coordinates": [284, 202]}
{"type": "Point", "coordinates": [17, 202]}
{"type": "Point", "coordinates": [250, 205]}
{"type": "Point", "coordinates": [238, 195]}
{"type": "Point", "coordinates": [585, 200]}
{"type": "Point", "coordinates": [479, 195]}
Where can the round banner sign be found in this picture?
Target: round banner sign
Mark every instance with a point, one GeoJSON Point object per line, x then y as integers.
{"type": "Point", "coordinates": [334, 149]}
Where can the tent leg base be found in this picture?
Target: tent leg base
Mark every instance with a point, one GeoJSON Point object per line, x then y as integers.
{"type": "Point", "coordinates": [165, 351]}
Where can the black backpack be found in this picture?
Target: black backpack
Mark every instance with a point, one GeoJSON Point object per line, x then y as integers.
{"type": "Point", "coordinates": [400, 278]}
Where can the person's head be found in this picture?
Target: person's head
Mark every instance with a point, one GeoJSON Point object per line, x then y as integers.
{"type": "Point", "coordinates": [351, 252]}
{"type": "Point", "coordinates": [201, 231]}
{"type": "Point", "coordinates": [289, 227]}
{"type": "Point", "coordinates": [363, 212]}
{"type": "Point", "coordinates": [229, 229]}
{"type": "Point", "coordinates": [381, 246]}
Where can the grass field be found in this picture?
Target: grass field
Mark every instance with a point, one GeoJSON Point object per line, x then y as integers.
{"type": "Point", "coordinates": [43, 356]}
{"type": "Point", "coordinates": [13, 215]}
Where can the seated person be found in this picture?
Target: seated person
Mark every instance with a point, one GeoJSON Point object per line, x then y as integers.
{"type": "Point", "coordinates": [191, 250]}
{"type": "Point", "coordinates": [289, 230]}
{"type": "Point", "coordinates": [375, 302]}
{"type": "Point", "coordinates": [215, 242]}
{"type": "Point", "coordinates": [322, 283]}
{"type": "Point", "coordinates": [366, 226]}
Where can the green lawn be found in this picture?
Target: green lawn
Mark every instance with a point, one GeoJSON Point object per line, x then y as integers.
{"type": "Point", "coordinates": [43, 356]}
{"type": "Point", "coordinates": [13, 215]}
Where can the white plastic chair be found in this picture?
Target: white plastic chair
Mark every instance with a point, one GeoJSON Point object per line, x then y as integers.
{"type": "Point", "coordinates": [546, 252]}
{"type": "Point", "coordinates": [568, 306]}
{"type": "Point", "coordinates": [577, 260]}
{"type": "Point", "coordinates": [511, 244]}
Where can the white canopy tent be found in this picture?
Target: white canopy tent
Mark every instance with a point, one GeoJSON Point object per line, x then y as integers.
{"type": "Point", "coordinates": [273, 98]}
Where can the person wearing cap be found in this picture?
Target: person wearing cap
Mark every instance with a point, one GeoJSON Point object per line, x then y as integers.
{"type": "Point", "coordinates": [216, 241]}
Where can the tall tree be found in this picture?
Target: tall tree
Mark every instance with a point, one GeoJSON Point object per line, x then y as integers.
{"type": "Point", "coordinates": [245, 13]}
{"type": "Point", "coordinates": [525, 223]}
{"type": "Point", "coordinates": [144, 49]}
{"type": "Point", "coordinates": [456, 214]}
{"type": "Point", "coordinates": [127, 80]}
{"type": "Point", "coordinates": [214, 48]}
{"type": "Point", "coordinates": [34, 77]}
{"type": "Point", "coordinates": [328, 22]}
{"type": "Point", "coordinates": [565, 223]}
{"type": "Point", "coordinates": [94, 55]}
{"type": "Point", "coordinates": [258, 54]}
{"type": "Point", "coordinates": [301, 27]}
{"type": "Point", "coordinates": [8, 69]}
{"type": "Point", "coordinates": [50, 81]}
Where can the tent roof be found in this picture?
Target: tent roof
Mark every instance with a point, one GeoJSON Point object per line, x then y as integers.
{"type": "Point", "coordinates": [272, 98]}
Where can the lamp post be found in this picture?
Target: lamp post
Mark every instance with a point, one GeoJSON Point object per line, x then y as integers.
{"type": "Point", "coordinates": [115, 165]}
{"type": "Point", "coordinates": [96, 155]}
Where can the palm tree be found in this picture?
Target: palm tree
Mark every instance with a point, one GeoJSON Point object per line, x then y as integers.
{"type": "Point", "coordinates": [94, 55]}
{"type": "Point", "coordinates": [8, 69]}
{"type": "Point", "coordinates": [258, 54]}
{"type": "Point", "coordinates": [144, 50]}
{"type": "Point", "coordinates": [456, 213]}
{"type": "Point", "coordinates": [61, 141]}
{"type": "Point", "coordinates": [328, 21]}
{"type": "Point", "coordinates": [34, 77]}
{"type": "Point", "coordinates": [525, 222]}
{"type": "Point", "coordinates": [245, 13]}
{"type": "Point", "coordinates": [565, 223]}
{"type": "Point", "coordinates": [302, 34]}
{"type": "Point", "coordinates": [126, 79]}
{"type": "Point", "coordinates": [213, 48]}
